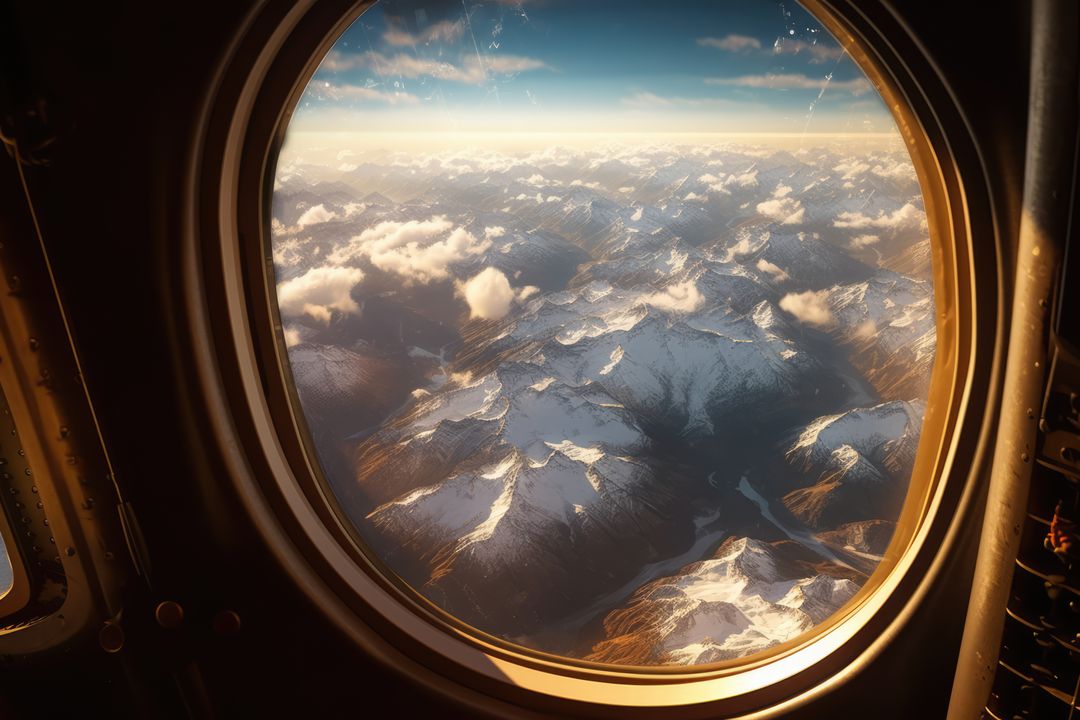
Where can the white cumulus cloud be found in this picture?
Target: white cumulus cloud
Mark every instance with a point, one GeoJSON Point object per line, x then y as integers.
{"type": "Point", "coordinates": [785, 210]}
{"type": "Point", "coordinates": [809, 307]}
{"type": "Point", "coordinates": [316, 214]}
{"type": "Point", "coordinates": [724, 183]}
{"type": "Point", "coordinates": [489, 295]}
{"type": "Point", "coordinates": [907, 217]}
{"type": "Point", "coordinates": [320, 291]}
{"type": "Point", "coordinates": [681, 297]}
{"type": "Point", "coordinates": [773, 269]}
{"type": "Point", "coordinates": [418, 250]}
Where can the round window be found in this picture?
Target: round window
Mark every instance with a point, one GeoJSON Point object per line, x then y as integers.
{"type": "Point", "coordinates": [612, 324]}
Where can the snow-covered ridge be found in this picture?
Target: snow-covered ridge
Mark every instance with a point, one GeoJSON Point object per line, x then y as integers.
{"type": "Point", "coordinates": [857, 464]}
{"type": "Point", "coordinates": [864, 431]}
{"type": "Point", "coordinates": [527, 462]}
{"type": "Point", "coordinates": [744, 600]}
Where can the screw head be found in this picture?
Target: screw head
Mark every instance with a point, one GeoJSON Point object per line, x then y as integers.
{"type": "Point", "coordinates": [111, 637]}
{"type": "Point", "coordinates": [226, 622]}
{"type": "Point", "coordinates": [169, 614]}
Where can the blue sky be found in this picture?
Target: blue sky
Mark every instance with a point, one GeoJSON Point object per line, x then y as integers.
{"type": "Point", "coordinates": [590, 66]}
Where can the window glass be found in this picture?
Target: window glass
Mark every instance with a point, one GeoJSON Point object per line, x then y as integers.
{"type": "Point", "coordinates": [7, 575]}
{"type": "Point", "coordinates": [612, 322]}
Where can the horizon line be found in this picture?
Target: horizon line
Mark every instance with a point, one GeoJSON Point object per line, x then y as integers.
{"type": "Point", "coordinates": [299, 131]}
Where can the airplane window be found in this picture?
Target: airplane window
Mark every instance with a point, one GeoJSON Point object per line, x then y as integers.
{"type": "Point", "coordinates": [612, 323]}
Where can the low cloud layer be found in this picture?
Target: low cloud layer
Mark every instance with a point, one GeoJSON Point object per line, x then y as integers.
{"type": "Point", "coordinates": [469, 70]}
{"type": "Point", "coordinates": [344, 91]}
{"type": "Point", "coordinates": [731, 43]}
{"type": "Point", "coordinates": [319, 292]}
{"type": "Point", "coordinates": [815, 52]}
{"type": "Point", "coordinates": [792, 81]}
{"type": "Point", "coordinates": [809, 307]}
{"type": "Point", "coordinates": [443, 31]}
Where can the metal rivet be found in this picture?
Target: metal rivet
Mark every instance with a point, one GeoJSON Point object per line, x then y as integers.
{"type": "Point", "coordinates": [169, 614]}
{"type": "Point", "coordinates": [226, 622]}
{"type": "Point", "coordinates": [111, 637]}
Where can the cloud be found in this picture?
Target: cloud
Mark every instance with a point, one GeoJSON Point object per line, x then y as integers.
{"type": "Point", "coordinates": [861, 241]}
{"type": "Point", "coordinates": [652, 101]}
{"type": "Point", "coordinates": [646, 100]}
{"type": "Point", "coordinates": [292, 336]}
{"type": "Point", "coordinates": [745, 246]}
{"type": "Point", "coordinates": [319, 292]}
{"type": "Point", "coordinates": [865, 330]}
{"type": "Point", "coordinates": [681, 297]}
{"type": "Point", "coordinates": [815, 52]}
{"type": "Point", "coordinates": [818, 52]}
{"type": "Point", "coordinates": [851, 168]}
{"type": "Point", "coordinates": [775, 271]}
{"type": "Point", "coordinates": [792, 81]}
{"type": "Point", "coordinates": [509, 64]}
{"type": "Point", "coordinates": [314, 215]}
{"type": "Point", "coordinates": [496, 231]}
{"type": "Point", "coordinates": [489, 295]}
{"type": "Point", "coordinates": [410, 249]}
{"type": "Point", "coordinates": [809, 307]}
{"type": "Point", "coordinates": [724, 184]}
{"type": "Point", "coordinates": [785, 210]}
{"type": "Point", "coordinates": [445, 31]}
{"type": "Point", "coordinates": [896, 170]}
{"type": "Point", "coordinates": [907, 217]}
{"type": "Point", "coordinates": [471, 70]}
{"type": "Point", "coordinates": [731, 43]}
{"type": "Point", "coordinates": [323, 90]}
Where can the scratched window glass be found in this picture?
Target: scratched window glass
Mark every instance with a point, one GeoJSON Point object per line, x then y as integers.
{"type": "Point", "coordinates": [612, 322]}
